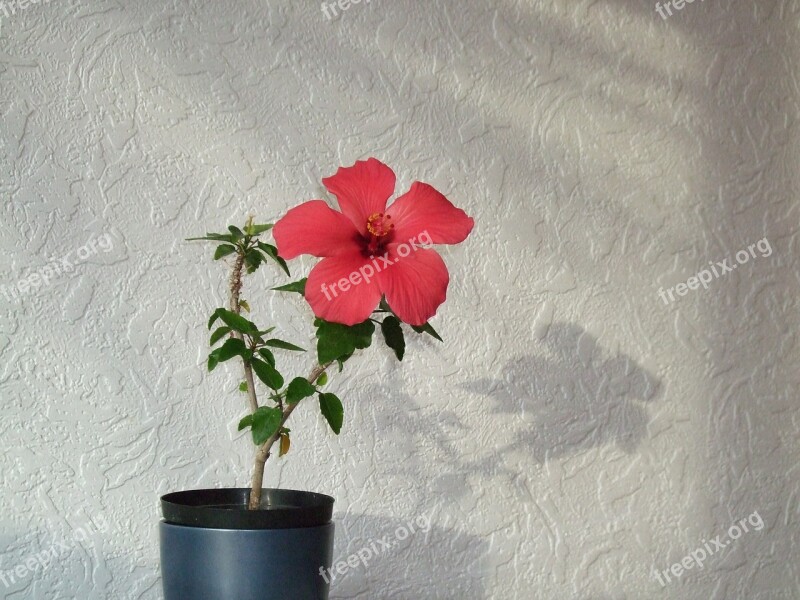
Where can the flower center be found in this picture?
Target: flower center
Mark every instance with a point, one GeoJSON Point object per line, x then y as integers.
{"type": "Point", "coordinates": [379, 224]}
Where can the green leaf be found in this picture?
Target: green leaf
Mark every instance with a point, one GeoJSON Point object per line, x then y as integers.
{"type": "Point", "coordinates": [214, 237]}
{"type": "Point", "coordinates": [335, 340]}
{"type": "Point", "coordinates": [267, 355]}
{"type": "Point", "coordinates": [245, 422]}
{"type": "Point", "coordinates": [322, 379]}
{"type": "Point", "coordinates": [267, 373]}
{"type": "Point", "coordinates": [235, 232]}
{"type": "Point", "coordinates": [272, 252]}
{"type": "Point", "coordinates": [299, 287]}
{"type": "Point", "coordinates": [341, 360]}
{"type": "Point", "coordinates": [275, 343]}
{"type": "Point", "coordinates": [237, 322]}
{"type": "Point", "coordinates": [243, 386]}
{"type": "Point", "coordinates": [214, 317]}
{"type": "Point", "coordinates": [257, 229]}
{"type": "Point", "coordinates": [393, 334]}
{"type": "Point", "coordinates": [224, 250]}
{"type": "Point", "coordinates": [218, 334]}
{"type": "Point", "coordinates": [298, 389]}
{"type": "Point", "coordinates": [266, 422]}
{"type": "Point", "coordinates": [232, 347]}
{"type": "Point", "coordinates": [427, 328]}
{"type": "Point", "coordinates": [332, 410]}
{"type": "Point", "coordinates": [253, 260]}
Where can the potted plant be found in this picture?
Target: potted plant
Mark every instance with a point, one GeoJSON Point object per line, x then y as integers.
{"type": "Point", "coordinates": [377, 269]}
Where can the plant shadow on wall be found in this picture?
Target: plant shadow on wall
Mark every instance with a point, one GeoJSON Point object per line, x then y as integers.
{"type": "Point", "coordinates": [432, 563]}
{"type": "Point", "coordinates": [574, 396]}
{"type": "Point", "coordinates": [418, 445]}
{"type": "Point", "coordinates": [439, 446]}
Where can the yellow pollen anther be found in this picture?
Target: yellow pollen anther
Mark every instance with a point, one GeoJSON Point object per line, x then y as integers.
{"type": "Point", "coordinates": [378, 224]}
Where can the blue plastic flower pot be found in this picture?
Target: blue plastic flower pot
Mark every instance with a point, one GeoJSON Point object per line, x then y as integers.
{"type": "Point", "coordinates": [213, 548]}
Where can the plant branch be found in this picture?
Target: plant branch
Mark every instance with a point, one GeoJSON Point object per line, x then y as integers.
{"type": "Point", "coordinates": [264, 450]}
{"type": "Point", "coordinates": [236, 288]}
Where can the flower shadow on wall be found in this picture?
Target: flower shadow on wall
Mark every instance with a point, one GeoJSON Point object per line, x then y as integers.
{"type": "Point", "coordinates": [574, 396]}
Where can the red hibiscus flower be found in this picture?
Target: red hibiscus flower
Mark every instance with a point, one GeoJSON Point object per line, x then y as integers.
{"type": "Point", "coordinates": [370, 251]}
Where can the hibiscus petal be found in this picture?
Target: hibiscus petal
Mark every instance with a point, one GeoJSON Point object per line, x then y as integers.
{"type": "Point", "coordinates": [415, 285]}
{"type": "Point", "coordinates": [423, 211]}
{"type": "Point", "coordinates": [332, 294]}
{"type": "Point", "coordinates": [362, 190]}
{"type": "Point", "coordinates": [314, 228]}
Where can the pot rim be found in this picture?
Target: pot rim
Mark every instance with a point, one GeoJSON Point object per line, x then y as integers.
{"type": "Point", "coordinates": [226, 508]}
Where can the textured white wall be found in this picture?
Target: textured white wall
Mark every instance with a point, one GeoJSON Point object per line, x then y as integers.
{"type": "Point", "coordinates": [573, 434]}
